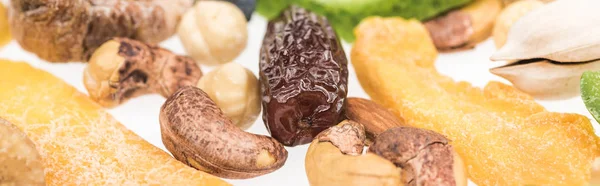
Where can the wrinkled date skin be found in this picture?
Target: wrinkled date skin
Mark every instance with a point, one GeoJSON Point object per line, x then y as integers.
{"type": "Point", "coordinates": [303, 75]}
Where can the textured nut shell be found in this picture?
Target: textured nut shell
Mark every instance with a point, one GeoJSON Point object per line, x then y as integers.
{"type": "Point", "coordinates": [235, 90]}
{"type": "Point", "coordinates": [137, 69]}
{"type": "Point", "coordinates": [424, 155]}
{"type": "Point", "coordinates": [197, 133]}
{"type": "Point", "coordinates": [562, 31]}
{"type": "Point", "coordinates": [375, 118]}
{"type": "Point", "coordinates": [60, 31]}
{"type": "Point", "coordinates": [213, 32]}
{"type": "Point", "coordinates": [20, 162]}
{"type": "Point", "coordinates": [509, 16]}
{"type": "Point", "coordinates": [327, 165]}
{"type": "Point", "coordinates": [546, 80]}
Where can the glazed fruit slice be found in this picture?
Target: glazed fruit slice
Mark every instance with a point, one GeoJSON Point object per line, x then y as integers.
{"type": "Point", "coordinates": [79, 142]}
{"type": "Point", "coordinates": [504, 136]}
{"type": "Point", "coordinates": [590, 92]}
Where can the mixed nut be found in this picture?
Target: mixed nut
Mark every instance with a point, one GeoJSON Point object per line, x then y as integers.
{"type": "Point", "coordinates": [550, 49]}
{"type": "Point", "coordinates": [303, 86]}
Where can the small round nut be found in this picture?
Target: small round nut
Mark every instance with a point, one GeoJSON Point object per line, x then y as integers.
{"type": "Point", "coordinates": [20, 162]}
{"type": "Point", "coordinates": [235, 90]}
{"type": "Point", "coordinates": [509, 16]}
{"type": "Point", "coordinates": [213, 32]}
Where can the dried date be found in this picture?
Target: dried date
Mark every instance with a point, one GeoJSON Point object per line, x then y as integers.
{"type": "Point", "coordinates": [303, 74]}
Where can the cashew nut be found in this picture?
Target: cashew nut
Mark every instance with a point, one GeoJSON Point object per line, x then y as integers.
{"type": "Point", "coordinates": [213, 32]}
{"type": "Point", "coordinates": [235, 90]}
{"type": "Point", "coordinates": [334, 158]}
{"type": "Point", "coordinates": [20, 162]}
{"type": "Point", "coordinates": [197, 133]}
{"type": "Point", "coordinates": [426, 157]}
{"type": "Point", "coordinates": [123, 68]}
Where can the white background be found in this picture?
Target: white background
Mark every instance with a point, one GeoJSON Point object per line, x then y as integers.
{"type": "Point", "coordinates": [141, 114]}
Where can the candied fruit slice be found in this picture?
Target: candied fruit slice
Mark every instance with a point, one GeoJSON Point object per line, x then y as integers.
{"type": "Point", "coordinates": [5, 35]}
{"type": "Point", "coordinates": [504, 136]}
{"type": "Point", "coordinates": [590, 92]}
{"type": "Point", "coordinates": [79, 142]}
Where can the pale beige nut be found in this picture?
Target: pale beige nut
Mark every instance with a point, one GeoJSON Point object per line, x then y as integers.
{"type": "Point", "coordinates": [509, 16]}
{"type": "Point", "coordinates": [235, 90]}
{"type": "Point", "coordinates": [198, 134]}
{"type": "Point", "coordinates": [20, 162]}
{"type": "Point", "coordinates": [213, 32]}
{"type": "Point", "coordinates": [335, 158]}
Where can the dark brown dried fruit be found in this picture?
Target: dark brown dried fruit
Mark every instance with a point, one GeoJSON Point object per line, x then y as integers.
{"type": "Point", "coordinates": [303, 74]}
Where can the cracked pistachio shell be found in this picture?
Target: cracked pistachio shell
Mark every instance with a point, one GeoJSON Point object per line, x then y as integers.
{"type": "Point", "coordinates": [544, 79]}
{"type": "Point", "coordinates": [563, 31]}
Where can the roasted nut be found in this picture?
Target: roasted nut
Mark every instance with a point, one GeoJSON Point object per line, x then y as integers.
{"type": "Point", "coordinates": [509, 16]}
{"type": "Point", "coordinates": [335, 158]}
{"type": "Point", "coordinates": [123, 68]}
{"type": "Point", "coordinates": [235, 90]}
{"type": "Point", "coordinates": [425, 156]}
{"type": "Point", "coordinates": [450, 31]}
{"type": "Point", "coordinates": [213, 32]}
{"type": "Point", "coordinates": [197, 133]}
{"type": "Point", "coordinates": [20, 162]}
{"type": "Point", "coordinates": [303, 75]}
{"type": "Point", "coordinates": [375, 118]}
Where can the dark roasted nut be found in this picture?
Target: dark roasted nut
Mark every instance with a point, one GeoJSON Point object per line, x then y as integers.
{"type": "Point", "coordinates": [303, 74]}
{"type": "Point", "coordinates": [123, 68]}
{"type": "Point", "coordinates": [198, 134]}
{"type": "Point", "coordinates": [450, 31]}
{"type": "Point", "coordinates": [425, 156]}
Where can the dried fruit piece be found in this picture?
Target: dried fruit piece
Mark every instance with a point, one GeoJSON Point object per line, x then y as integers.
{"type": "Point", "coordinates": [335, 158]}
{"type": "Point", "coordinates": [122, 69]}
{"type": "Point", "coordinates": [5, 35]}
{"type": "Point", "coordinates": [426, 157]}
{"type": "Point", "coordinates": [235, 90]}
{"type": "Point", "coordinates": [303, 75]}
{"type": "Point", "coordinates": [497, 126]}
{"type": "Point", "coordinates": [509, 16]}
{"type": "Point", "coordinates": [79, 142]}
{"type": "Point", "coordinates": [590, 92]}
{"type": "Point", "coordinates": [20, 162]}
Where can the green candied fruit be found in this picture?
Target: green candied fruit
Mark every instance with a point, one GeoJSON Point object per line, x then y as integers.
{"type": "Point", "coordinates": [590, 92]}
{"type": "Point", "coordinates": [344, 15]}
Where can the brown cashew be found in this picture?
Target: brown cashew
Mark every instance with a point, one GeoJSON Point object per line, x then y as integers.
{"type": "Point", "coordinates": [123, 68]}
{"type": "Point", "coordinates": [335, 158]}
{"type": "Point", "coordinates": [197, 133]}
{"type": "Point", "coordinates": [425, 156]}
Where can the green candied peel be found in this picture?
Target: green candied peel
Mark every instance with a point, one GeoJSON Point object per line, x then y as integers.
{"type": "Point", "coordinates": [344, 15]}
{"type": "Point", "coordinates": [590, 92]}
